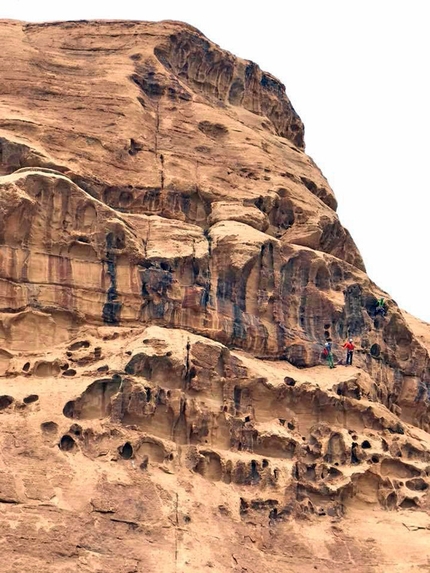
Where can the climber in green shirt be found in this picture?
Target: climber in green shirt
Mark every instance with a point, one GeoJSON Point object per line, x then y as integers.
{"type": "Point", "coordinates": [381, 307]}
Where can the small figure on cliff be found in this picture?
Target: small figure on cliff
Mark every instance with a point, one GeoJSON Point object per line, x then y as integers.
{"type": "Point", "coordinates": [381, 307]}
{"type": "Point", "coordinates": [349, 352]}
{"type": "Point", "coordinates": [327, 353]}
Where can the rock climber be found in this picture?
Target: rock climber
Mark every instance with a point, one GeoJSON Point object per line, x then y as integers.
{"type": "Point", "coordinates": [327, 353]}
{"type": "Point", "coordinates": [349, 351]}
{"type": "Point", "coordinates": [381, 307]}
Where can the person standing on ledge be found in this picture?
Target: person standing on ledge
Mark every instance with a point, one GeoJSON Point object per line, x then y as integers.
{"type": "Point", "coordinates": [349, 351]}
{"type": "Point", "coordinates": [327, 353]}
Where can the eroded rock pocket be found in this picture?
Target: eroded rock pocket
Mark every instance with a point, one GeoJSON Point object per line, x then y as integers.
{"type": "Point", "coordinates": [213, 130]}
{"type": "Point", "coordinates": [126, 451]}
{"type": "Point", "coordinates": [69, 372]}
{"type": "Point", "coordinates": [31, 399]}
{"type": "Point", "coordinates": [94, 402]}
{"type": "Point", "coordinates": [49, 427]}
{"type": "Point", "coordinates": [5, 402]}
{"type": "Point", "coordinates": [67, 444]}
{"type": "Point", "coordinates": [78, 345]}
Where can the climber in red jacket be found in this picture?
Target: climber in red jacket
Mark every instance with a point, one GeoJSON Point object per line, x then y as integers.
{"type": "Point", "coordinates": [349, 351]}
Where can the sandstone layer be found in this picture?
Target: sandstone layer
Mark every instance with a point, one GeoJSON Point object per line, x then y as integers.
{"type": "Point", "coordinates": [171, 264]}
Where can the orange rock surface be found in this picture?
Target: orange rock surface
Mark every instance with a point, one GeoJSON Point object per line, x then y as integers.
{"type": "Point", "coordinates": [171, 264]}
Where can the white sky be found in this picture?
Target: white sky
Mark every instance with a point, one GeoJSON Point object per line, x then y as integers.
{"type": "Point", "coordinates": [357, 73]}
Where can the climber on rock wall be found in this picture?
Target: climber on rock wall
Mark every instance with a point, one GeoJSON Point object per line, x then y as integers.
{"type": "Point", "coordinates": [327, 353]}
{"type": "Point", "coordinates": [349, 351]}
{"type": "Point", "coordinates": [381, 307]}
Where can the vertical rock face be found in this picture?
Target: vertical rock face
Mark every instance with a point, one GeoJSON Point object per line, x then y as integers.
{"type": "Point", "coordinates": [171, 264]}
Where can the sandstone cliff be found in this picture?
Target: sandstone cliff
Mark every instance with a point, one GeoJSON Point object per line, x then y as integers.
{"type": "Point", "coordinates": [171, 263]}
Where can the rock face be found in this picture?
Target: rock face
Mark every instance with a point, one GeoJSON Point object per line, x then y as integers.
{"type": "Point", "coordinates": [171, 264]}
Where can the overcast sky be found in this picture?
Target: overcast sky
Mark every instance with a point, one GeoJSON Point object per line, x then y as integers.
{"type": "Point", "coordinates": [357, 74]}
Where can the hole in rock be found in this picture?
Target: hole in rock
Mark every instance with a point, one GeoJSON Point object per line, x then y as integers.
{"type": "Point", "coordinates": [5, 402]}
{"type": "Point", "coordinates": [103, 368]}
{"type": "Point", "coordinates": [30, 399]}
{"type": "Point", "coordinates": [322, 279]}
{"type": "Point", "coordinates": [49, 427]}
{"type": "Point", "coordinates": [144, 465]}
{"type": "Point", "coordinates": [69, 409]}
{"type": "Point", "coordinates": [78, 345]}
{"type": "Point", "coordinates": [417, 484]}
{"type": "Point", "coordinates": [396, 468]}
{"type": "Point", "coordinates": [67, 443]}
{"type": "Point", "coordinates": [26, 367]}
{"type": "Point", "coordinates": [187, 518]}
{"type": "Point", "coordinates": [69, 372]}
{"type": "Point", "coordinates": [375, 350]}
{"type": "Point", "coordinates": [126, 451]}
{"type": "Point", "coordinates": [46, 369]}
{"type": "Point", "coordinates": [326, 326]}
{"type": "Point", "coordinates": [161, 396]}
{"type": "Point", "coordinates": [282, 421]}
{"type": "Point", "coordinates": [247, 418]}
{"type": "Point", "coordinates": [396, 429]}
{"type": "Point", "coordinates": [209, 466]}
{"type": "Point", "coordinates": [366, 445]}
{"type": "Point", "coordinates": [354, 458]}
{"type": "Point", "coordinates": [255, 476]}
{"type": "Point", "coordinates": [76, 429]}
{"type": "Point", "coordinates": [291, 426]}
{"type": "Point", "coordinates": [125, 197]}
{"type": "Point", "coordinates": [333, 472]}
{"type": "Point", "coordinates": [408, 503]}
{"type": "Point", "coordinates": [237, 395]}
{"type": "Point", "coordinates": [265, 463]}
{"type": "Point", "coordinates": [116, 379]}
{"type": "Point", "coordinates": [64, 366]}
{"type": "Point", "coordinates": [289, 381]}
{"type": "Point", "coordinates": [391, 500]}
{"type": "Point", "coordinates": [375, 459]}
{"type": "Point", "coordinates": [244, 506]}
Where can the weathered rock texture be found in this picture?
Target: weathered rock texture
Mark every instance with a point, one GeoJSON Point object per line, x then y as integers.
{"type": "Point", "coordinates": [171, 263]}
